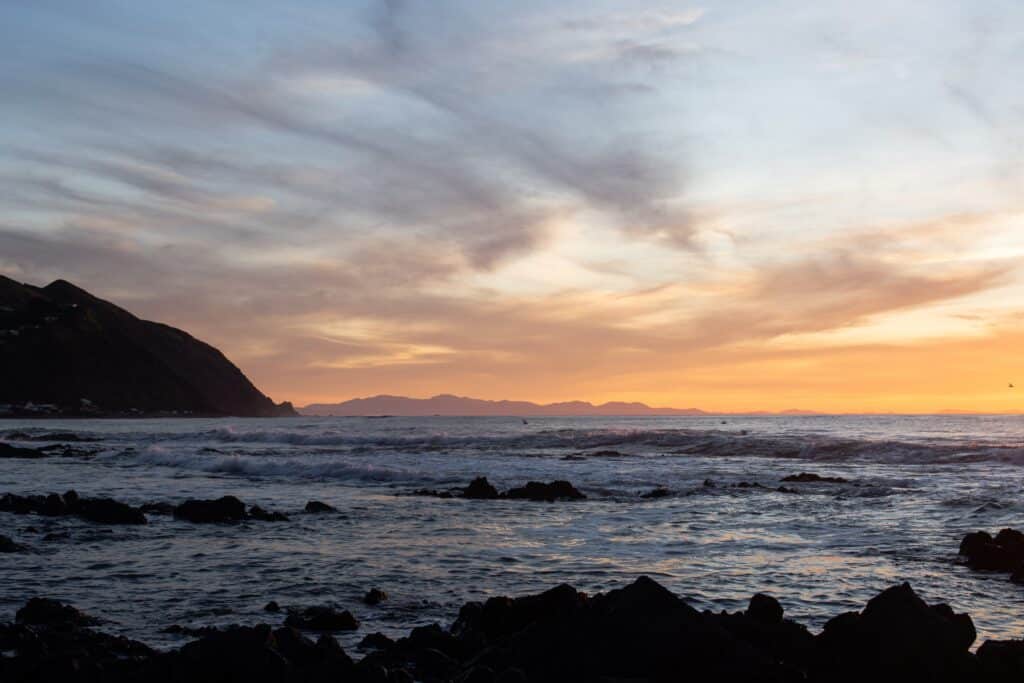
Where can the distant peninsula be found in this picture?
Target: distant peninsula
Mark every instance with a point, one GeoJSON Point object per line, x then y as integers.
{"type": "Point", "coordinates": [65, 352]}
{"type": "Point", "coordinates": [461, 406]}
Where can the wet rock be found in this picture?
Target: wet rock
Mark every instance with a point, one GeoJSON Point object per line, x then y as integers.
{"type": "Point", "coordinates": [16, 452]}
{"type": "Point", "coordinates": [1004, 553]}
{"type": "Point", "coordinates": [316, 507]}
{"type": "Point", "coordinates": [100, 510]}
{"type": "Point", "coordinates": [708, 484]}
{"type": "Point", "coordinates": [660, 492]}
{"type": "Point", "coordinates": [7, 545]}
{"type": "Point", "coordinates": [224, 509]}
{"type": "Point", "coordinates": [480, 489]}
{"type": "Point", "coordinates": [259, 514]}
{"type": "Point", "coordinates": [550, 492]}
{"type": "Point", "coordinates": [433, 493]}
{"type": "Point", "coordinates": [1001, 660]}
{"type": "Point", "coordinates": [108, 511]}
{"type": "Point", "coordinates": [786, 489]}
{"type": "Point", "coordinates": [375, 596]}
{"type": "Point", "coordinates": [747, 485]}
{"type": "Point", "coordinates": [44, 611]}
{"type": "Point", "coordinates": [765, 609]}
{"type": "Point", "coordinates": [896, 637]}
{"type": "Point", "coordinates": [322, 618]}
{"type": "Point", "coordinates": [810, 478]}
{"type": "Point", "coordinates": [272, 607]}
{"type": "Point", "coordinates": [376, 641]}
{"type": "Point", "coordinates": [606, 454]}
{"type": "Point", "coordinates": [157, 509]}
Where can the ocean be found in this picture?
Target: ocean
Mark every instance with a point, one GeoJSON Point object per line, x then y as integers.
{"type": "Point", "coordinates": [915, 485]}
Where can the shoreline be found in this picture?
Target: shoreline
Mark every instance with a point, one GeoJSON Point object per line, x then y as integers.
{"type": "Point", "coordinates": [640, 631]}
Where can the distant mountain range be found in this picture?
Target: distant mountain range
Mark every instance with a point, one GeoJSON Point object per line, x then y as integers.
{"type": "Point", "coordinates": [64, 351]}
{"type": "Point", "coordinates": [449, 405]}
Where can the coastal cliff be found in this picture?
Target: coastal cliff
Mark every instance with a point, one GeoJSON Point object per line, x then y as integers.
{"type": "Point", "coordinates": [64, 351]}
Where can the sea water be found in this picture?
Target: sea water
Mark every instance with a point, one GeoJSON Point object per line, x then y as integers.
{"type": "Point", "coordinates": [915, 486]}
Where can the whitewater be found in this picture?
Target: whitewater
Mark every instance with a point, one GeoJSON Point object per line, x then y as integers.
{"type": "Point", "coordinates": [914, 485]}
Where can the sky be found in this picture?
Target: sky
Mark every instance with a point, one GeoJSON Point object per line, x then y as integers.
{"type": "Point", "coordinates": [729, 205]}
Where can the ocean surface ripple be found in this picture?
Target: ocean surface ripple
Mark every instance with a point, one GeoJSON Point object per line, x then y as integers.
{"type": "Point", "coordinates": [914, 486]}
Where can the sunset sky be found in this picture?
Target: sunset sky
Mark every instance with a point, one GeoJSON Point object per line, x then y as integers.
{"type": "Point", "coordinates": [727, 205]}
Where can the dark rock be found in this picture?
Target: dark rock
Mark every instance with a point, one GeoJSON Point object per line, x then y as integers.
{"type": "Point", "coordinates": [376, 641]}
{"type": "Point", "coordinates": [237, 654]}
{"type": "Point", "coordinates": [765, 609]}
{"type": "Point", "coordinates": [708, 484]}
{"type": "Point", "coordinates": [16, 452]}
{"type": "Point", "coordinates": [811, 478]}
{"type": "Point", "coordinates": [100, 510]}
{"type": "Point", "coordinates": [660, 492]}
{"type": "Point", "coordinates": [157, 509]}
{"type": "Point", "coordinates": [480, 489]}
{"type": "Point", "coordinates": [315, 506]}
{"type": "Point", "coordinates": [108, 511]}
{"type": "Point", "coordinates": [896, 637]}
{"type": "Point", "coordinates": [272, 606]}
{"type": "Point", "coordinates": [44, 611]}
{"type": "Point", "coordinates": [606, 454]}
{"type": "Point", "coordinates": [7, 545]}
{"type": "Point", "coordinates": [539, 491]}
{"type": "Point", "coordinates": [258, 513]}
{"type": "Point", "coordinates": [322, 618]}
{"type": "Point", "coordinates": [786, 489]}
{"type": "Point", "coordinates": [1002, 660]}
{"type": "Point", "coordinates": [224, 509]}
{"type": "Point", "coordinates": [1004, 553]}
{"type": "Point", "coordinates": [375, 596]}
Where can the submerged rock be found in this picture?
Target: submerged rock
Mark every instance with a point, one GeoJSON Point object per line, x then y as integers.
{"type": "Point", "coordinates": [539, 491]}
{"type": "Point", "coordinates": [7, 545]}
{"type": "Point", "coordinates": [223, 509]}
{"type": "Point", "coordinates": [660, 492]}
{"type": "Point", "coordinates": [315, 506]}
{"type": "Point", "coordinates": [375, 596]}
{"type": "Point", "coordinates": [16, 452]}
{"type": "Point", "coordinates": [258, 513]}
{"type": "Point", "coordinates": [811, 478]}
{"type": "Point", "coordinates": [99, 510]}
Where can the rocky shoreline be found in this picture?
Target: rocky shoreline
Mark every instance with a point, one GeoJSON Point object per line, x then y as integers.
{"type": "Point", "coordinates": [641, 632]}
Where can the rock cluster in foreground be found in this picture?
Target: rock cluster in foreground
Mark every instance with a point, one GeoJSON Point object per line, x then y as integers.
{"type": "Point", "coordinates": [641, 632]}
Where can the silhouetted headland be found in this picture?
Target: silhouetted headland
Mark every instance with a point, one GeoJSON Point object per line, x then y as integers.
{"type": "Point", "coordinates": [66, 352]}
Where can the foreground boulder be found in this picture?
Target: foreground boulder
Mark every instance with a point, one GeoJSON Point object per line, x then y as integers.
{"type": "Point", "coordinates": [99, 510]}
{"type": "Point", "coordinates": [641, 632]}
{"type": "Point", "coordinates": [897, 635]}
